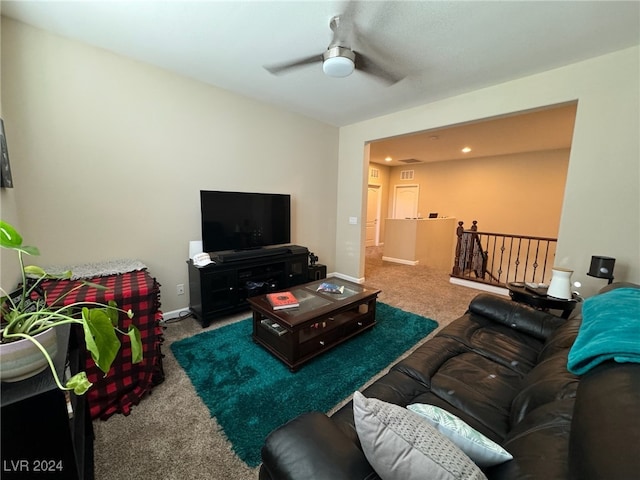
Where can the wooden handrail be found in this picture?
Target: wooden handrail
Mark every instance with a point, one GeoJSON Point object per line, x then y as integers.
{"type": "Point", "coordinates": [511, 235]}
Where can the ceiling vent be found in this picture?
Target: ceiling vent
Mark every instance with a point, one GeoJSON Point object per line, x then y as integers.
{"type": "Point", "coordinates": [410, 160]}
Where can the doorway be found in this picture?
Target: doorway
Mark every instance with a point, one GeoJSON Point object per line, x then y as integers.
{"type": "Point", "coordinates": [538, 135]}
{"type": "Point", "coordinates": [405, 201]}
{"type": "Point", "coordinates": [374, 202]}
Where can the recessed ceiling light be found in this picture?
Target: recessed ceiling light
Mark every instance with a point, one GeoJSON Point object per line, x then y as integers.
{"type": "Point", "coordinates": [388, 159]}
{"type": "Point", "coordinates": [466, 150]}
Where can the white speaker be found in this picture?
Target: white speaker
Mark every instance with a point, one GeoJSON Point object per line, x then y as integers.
{"type": "Point", "coordinates": [195, 247]}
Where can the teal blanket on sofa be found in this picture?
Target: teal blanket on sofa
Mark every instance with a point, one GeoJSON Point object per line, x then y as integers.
{"type": "Point", "coordinates": [610, 330]}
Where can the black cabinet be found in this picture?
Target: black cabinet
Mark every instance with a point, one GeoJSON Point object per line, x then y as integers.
{"type": "Point", "coordinates": [317, 271]}
{"type": "Point", "coordinates": [223, 288]}
{"type": "Point", "coordinates": [47, 432]}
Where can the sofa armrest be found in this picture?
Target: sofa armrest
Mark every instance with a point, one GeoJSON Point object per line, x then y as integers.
{"type": "Point", "coordinates": [605, 429]}
{"type": "Point", "coordinates": [313, 446]}
{"type": "Point", "coordinates": [515, 315]}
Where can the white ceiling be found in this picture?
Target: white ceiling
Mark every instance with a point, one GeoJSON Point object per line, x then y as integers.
{"type": "Point", "coordinates": [443, 47]}
{"type": "Point", "coordinates": [545, 129]}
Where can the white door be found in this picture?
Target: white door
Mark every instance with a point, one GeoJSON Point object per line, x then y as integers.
{"type": "Point", "coordinates": [373, 216]}
{"type": "Point", "coordinates": [405, 201]}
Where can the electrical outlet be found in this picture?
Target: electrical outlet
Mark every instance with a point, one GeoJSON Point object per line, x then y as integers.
{"type": "Point", "coordinates": [180, 289]}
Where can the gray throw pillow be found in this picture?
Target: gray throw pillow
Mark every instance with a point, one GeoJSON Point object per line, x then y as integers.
{"type": "Point", "coordinates": [483, 451]}
{"type": "Point", "coordinates": [400, 445]}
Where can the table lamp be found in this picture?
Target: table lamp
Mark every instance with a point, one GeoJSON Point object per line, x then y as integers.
{"type": "Point", "coordinates": [560, 285]}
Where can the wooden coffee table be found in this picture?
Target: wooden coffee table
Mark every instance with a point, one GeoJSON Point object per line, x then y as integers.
{"type": "Point", "coordinates": [322, 321]}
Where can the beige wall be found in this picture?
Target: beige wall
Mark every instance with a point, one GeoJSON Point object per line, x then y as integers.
{"type": "Point", "coordinates": [109, 155]}
{"type": "Point", "coordinates": [9, 267]}
{"type": "Point", "coordinates": [601, 208]}
{"type": "Point", "coordinates": [520, 194]}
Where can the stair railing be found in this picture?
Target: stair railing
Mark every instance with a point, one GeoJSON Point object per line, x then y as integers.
{"type": "Point", "coordinates": [499, 258]}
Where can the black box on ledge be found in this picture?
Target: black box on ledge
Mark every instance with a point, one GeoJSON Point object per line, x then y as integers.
{"type": "Point", "coordinates": [317, 271]}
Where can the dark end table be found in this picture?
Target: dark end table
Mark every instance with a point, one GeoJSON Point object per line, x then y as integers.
{"type": "Point", "coordinates": [537, 298]}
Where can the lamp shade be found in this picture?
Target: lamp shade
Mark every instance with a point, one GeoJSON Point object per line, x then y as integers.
{"type": "Point", "coordinates": [560, 285]}
{"type": "Point", "coordinates": [601, 267]}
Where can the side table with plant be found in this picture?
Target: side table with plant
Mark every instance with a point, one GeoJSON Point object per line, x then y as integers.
{"type": "Point", "coordinates": [27, 312]}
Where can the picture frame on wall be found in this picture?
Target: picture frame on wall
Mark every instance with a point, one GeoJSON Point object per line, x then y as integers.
{"type": "Point", "coordinates": [6, 181]}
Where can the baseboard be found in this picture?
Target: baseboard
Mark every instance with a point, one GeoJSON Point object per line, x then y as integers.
{"type": "Point", "coordinates": [175, 313]}
{"type": "Point", "coordinates": [401, 260]}
{"type": "Point", "coordinates": [479, 286]}
{"type": "Point", "coordinates": [346, 277]}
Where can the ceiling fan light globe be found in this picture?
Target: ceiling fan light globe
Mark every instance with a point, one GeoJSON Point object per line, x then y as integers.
{"type": "Point", "coordinates": [338, 67]}
{"type": "Point", "coordinates": [338, 62]}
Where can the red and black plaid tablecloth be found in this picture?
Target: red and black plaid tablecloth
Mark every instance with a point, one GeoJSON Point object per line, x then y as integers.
{"type": "Point", "coordinates": [126, 383]}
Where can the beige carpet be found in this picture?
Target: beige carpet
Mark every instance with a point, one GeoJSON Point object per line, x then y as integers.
{"type": "Point", "coordinates": [170, 434]}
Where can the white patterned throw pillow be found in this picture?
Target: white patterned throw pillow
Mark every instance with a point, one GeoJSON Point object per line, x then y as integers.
{"type": "Point", "coordinates": [480, 449]}
{"type": "Point", "coordinates": [401, 445]}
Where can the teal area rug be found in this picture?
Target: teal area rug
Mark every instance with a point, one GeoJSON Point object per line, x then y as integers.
{"type": "Point", "coordinates": [251, 393]}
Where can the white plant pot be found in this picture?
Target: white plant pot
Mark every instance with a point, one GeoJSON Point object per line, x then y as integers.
{"type": "Point", "coordinates": [21, 359]}
{"type": "Point", "coordinates": [560, 286]}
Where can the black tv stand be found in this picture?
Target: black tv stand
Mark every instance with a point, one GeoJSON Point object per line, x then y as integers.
{"type": "Point", "coordinates": [223, 287]}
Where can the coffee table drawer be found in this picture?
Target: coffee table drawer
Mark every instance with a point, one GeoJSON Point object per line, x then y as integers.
{"type": "Point", "coordinates": [330, 335]}
{"type": "Point", "coordinates": [319, 342]}
{"type": "Point", "coordinates": [359, 324]}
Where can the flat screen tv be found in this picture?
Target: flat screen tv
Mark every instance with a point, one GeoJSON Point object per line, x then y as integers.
{"type": "Point", "coordinates": [243, 220]}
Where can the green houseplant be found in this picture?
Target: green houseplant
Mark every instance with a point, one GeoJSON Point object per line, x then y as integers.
{"type": "Point", "coordinates": [26, 313]}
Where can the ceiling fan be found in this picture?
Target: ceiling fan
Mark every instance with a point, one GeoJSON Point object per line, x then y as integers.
{"type": "Point", "coordinates": [339, 60]}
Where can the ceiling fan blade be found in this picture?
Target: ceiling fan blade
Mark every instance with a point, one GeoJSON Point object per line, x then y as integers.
{"type": "Point", "coordinates": [283, 67]}
{"type": "Point", "coordinates": [366, 65]}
